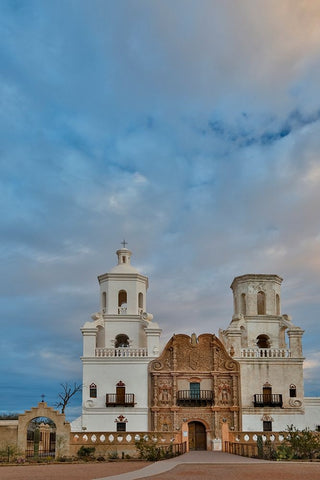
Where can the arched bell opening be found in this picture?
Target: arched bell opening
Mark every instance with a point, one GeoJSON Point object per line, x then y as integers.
{"type": "Point", "coordinates": [121, 340]}
{"type": "Point", "coordinates": [263, 341]}
{"type": "Point", "coordinates": [122, 302]}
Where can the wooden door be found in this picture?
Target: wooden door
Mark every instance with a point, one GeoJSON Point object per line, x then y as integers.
{"type": "Point", "coordinates": [267, 396]}
{"type": "Point", "coordinates": [197, 436]}
{"type": "Point", "coordinates": [121, 395]}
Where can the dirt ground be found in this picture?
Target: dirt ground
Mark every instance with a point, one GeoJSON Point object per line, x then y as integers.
{"type": "Point", "coordinates": [263, 471]}
{"type": "Point", "coordinates": [89, 471]}
{"type": "Point", "coordinates": [85, 471]}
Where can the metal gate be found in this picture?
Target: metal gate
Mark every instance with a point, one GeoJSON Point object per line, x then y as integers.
{"type": "Point", "coordinates": [41, 443]}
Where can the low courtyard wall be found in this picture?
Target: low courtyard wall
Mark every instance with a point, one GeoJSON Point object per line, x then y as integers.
{"type": "Point", "coordinates": [245, 443]}
{"type": "Point", "coordinates": [8, 433]}
{"type": "Point", "coordinates": [106, 444]}
{"type": "Point", "coordinates": [120, 443]}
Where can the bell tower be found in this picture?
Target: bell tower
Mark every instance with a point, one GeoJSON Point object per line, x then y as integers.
{"type": "Point", "coordinates": [268, 347]}
{"type": "Point", "coordinates": [123, 293]}
{"type": "Point", "coordinates": [118, 345]}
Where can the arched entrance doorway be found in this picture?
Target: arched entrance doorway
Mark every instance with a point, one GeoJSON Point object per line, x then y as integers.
{"type": "Point", "coordinates": [197, 436]}
{"type": "Point", "coordinates": [58, 419]}
{"type": "Point", "coordinates": [41, 438]}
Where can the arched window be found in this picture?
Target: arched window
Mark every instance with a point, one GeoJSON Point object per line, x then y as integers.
{"type": "Point", "coordinates": [243, 304]}
{"type": "Point", "coordinates": [261, 303]}
{"type": "Point", "coordinates": [104, 300]}
{"type": "Point", "coordinates": [277, 305]}
{"type": "Point", "coordinates": [93, 390]}
{"type": "Point", "coordinates": [122, 340]}
{"type": "Point", "coordinates": [140, 301]}
{"type": "Point", "coordinates": [263, 341]}
{"type": "Point", "coordinates": [292, 391]}
{"type": "Point", "coordinates": [122, 297]}
{"type": "Point", "coordinates": [122, 302]}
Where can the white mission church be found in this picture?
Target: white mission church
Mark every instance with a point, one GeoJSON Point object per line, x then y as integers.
{"type": "Point", "coordinates": [250, 376]}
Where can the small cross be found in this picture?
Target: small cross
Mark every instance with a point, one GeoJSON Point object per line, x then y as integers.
{"type": "Point", "coordinates": [124, 243]}
{"type": "Point", "coordinates": [42, 396]}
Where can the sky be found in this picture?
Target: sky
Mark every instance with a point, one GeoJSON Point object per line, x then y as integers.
{"type": "Point", "coordinates": [191, 128]}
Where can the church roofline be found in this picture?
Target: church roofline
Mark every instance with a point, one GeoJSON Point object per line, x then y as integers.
{"type": "Point", "coordinates": [256, 277]}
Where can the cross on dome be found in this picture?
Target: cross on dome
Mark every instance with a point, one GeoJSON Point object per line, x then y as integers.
{"type": "Point", "coordinates": [124, 243]}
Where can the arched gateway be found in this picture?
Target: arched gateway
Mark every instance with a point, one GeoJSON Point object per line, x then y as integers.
{"type": "Point", "coordinates": [195, 381]}
{"type": "Point", "coordinates": [55, 432]}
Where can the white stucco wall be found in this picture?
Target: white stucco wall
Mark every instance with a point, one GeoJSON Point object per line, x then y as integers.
{"type": "Point", "coordinates": [280, 374]}
{"type": "Point", "coordinates": [312, 412]}
{"type": "Point", "coordinates": [129, 325]}
{"type": "Point", "coordinates": [310, 418]}
{"type": "Point", "coordinates": [105, 374]}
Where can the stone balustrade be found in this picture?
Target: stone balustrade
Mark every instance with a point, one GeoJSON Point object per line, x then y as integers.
{"type": "Point", "coordinates": [265, 353]}
{"type": "Point", "coordinates": [121, 352]}
{"type": "Point", "coordinates": [121, 438]}
{"type": "Point", "coordinates": [251, 437]}
{"type": "Point", "coordinates": [122, 443]}
{"type": "Point", "coordinates": [245, 443]}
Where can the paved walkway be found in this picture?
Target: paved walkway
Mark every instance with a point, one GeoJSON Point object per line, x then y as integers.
{"type": "Point", "coordinates": [191, 466]}
{"type": "Point", "coordinates": [196, 458]}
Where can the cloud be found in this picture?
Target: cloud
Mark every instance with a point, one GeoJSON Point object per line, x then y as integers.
{"type": "Point", "coordinates": [191, 131]}
{"type": "Point", "coordinates": [311, 373]}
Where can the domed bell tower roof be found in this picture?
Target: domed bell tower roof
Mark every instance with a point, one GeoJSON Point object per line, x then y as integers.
{"type": "Point", "coordinates": [124, 261]}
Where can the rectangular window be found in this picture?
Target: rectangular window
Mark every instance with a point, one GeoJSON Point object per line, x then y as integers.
{"type": "Point", "coordinates": [267, 426]}
{"type": "Point", "coordinates": [121, 426]}
{"type": "Point", "coordinates": [317, 428]}
{"type": "Point", "coordinates": [293, 392]}
{"type": "Point", "coordinates": [93, 391]}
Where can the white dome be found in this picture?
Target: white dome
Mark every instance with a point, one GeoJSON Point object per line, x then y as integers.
{"type": "Point", "coordinates": [124, 268]}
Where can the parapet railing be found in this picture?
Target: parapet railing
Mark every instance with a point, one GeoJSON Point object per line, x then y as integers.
{"type": "Point", "coordinates": [195, 397]}
{"type": "Point", "coordinates": [267, 400]}
{"type": "Point", "coordinates": [122, 438]}
{"type": "Point", "coordinates": [265, 353]}
{"type": "Point", "coordinates": [121, 352]}
{"type": "Point", "coordinates": [245, 443]}
{"type": "Point", "coordinates": [114, 399]}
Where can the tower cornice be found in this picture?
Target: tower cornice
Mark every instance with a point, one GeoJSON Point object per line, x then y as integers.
{"type": "Point", "coordinates": [122, 276]}
{"type": "Point", "coordinates": [256, 277]}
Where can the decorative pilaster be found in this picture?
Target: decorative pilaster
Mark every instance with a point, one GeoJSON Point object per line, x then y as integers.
{"type": "Point", "coordinates": [295, 341]}
{"type": "Point", "coordinates": [155, 390]}
{"type": "Point", "coordinates": [89, 334]}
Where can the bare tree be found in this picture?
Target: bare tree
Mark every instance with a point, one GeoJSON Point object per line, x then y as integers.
{"type": "Point", "coordinates": [68, 391]}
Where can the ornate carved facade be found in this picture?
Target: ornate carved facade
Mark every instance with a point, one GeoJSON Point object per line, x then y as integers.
{"type": "Point", "coordinates": [195, 379]}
